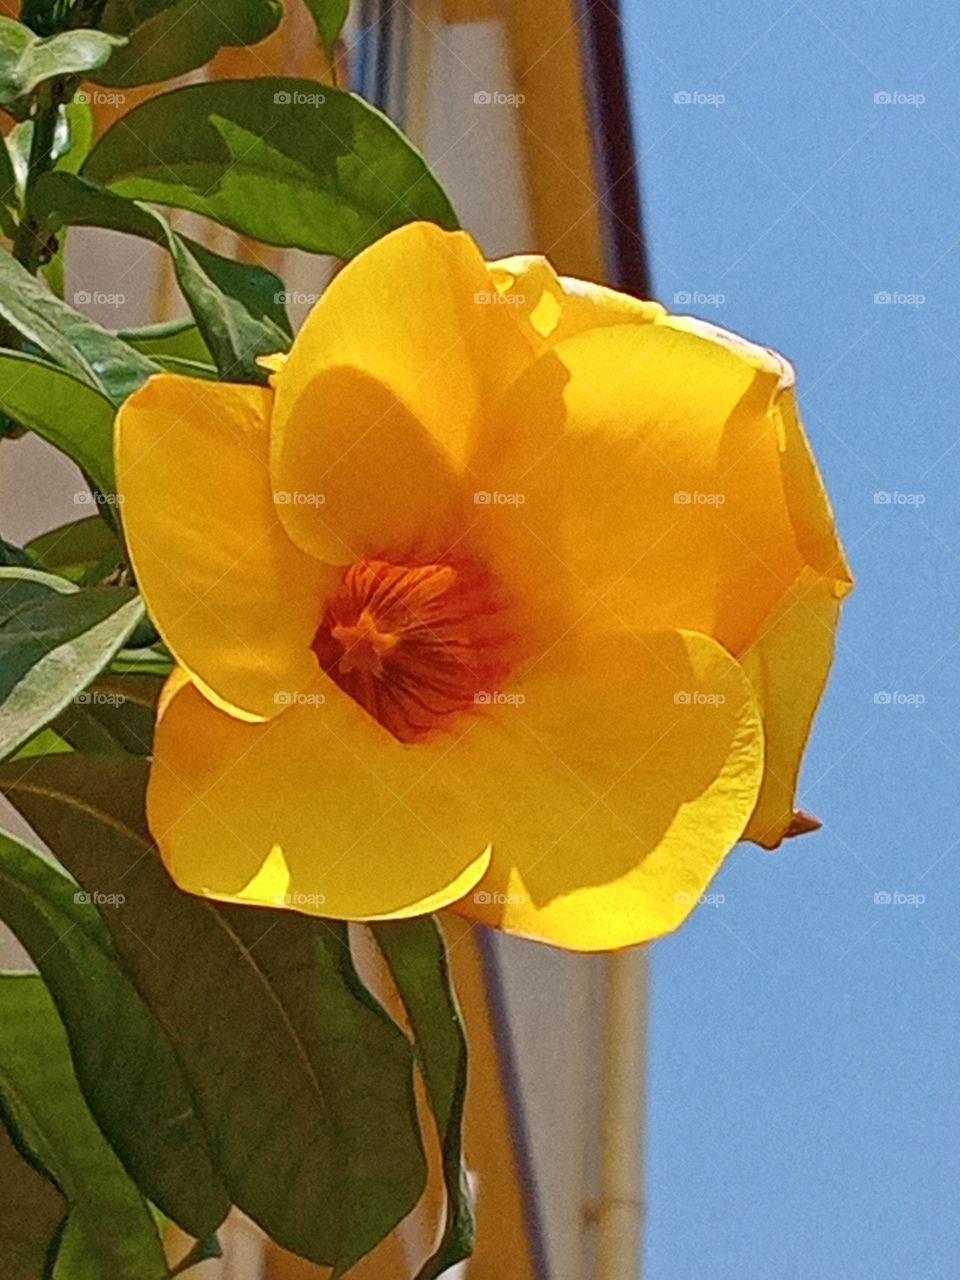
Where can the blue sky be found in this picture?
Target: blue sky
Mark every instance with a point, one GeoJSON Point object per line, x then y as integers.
{"type": "Point", "coordinates": [805, 1074]}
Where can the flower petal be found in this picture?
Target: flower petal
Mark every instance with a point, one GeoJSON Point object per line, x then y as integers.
{"type": "Point", "coordinates": [362, 476]}
{"type": "Point", "coordinates": [790, 660]}
{"type": "Point", "coordinates": [810, 512]}
{"type": "Point", "coordinates": [608, 799]}
{"type": "Point", "coordinates": [418, 313]}
{"type": "Point", "coordinates": [308, 811]}
{"type": "Point", "coordinates": [645, 468]}
{"type": "Point", "coordinates": [558, 307]}
{"type": "Point", "coordinates": [234, 599]}
{"type": "Point", "coordinates": [788, 666]}
{"type": "Point", "coordinates": [613, 796]}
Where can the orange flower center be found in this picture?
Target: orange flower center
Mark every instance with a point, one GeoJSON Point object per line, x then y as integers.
{"type": "Point", "coordinates": [415, 644]}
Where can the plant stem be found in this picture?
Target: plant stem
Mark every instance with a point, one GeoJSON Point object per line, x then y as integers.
{"type": "Point", "coordinates": [30, 245]}
{"type": "Point", "coordinates": [31, 242]}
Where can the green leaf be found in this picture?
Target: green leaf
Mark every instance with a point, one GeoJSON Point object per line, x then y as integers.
{"type": "Point", "coordinates": [69, 154]}
{"type": "Point", "coordinates": [176, 346]}
{"type": "Point", "coordinates": [177, 339]}
{"type": "Point", "coordinates": [9, 193]}
{"type": "Point", "coordinates": [416, 955]}
{"type": "Point", "coordinates": [213, 286]}
{"type": "Point", "coordinates": [110, 1231]}
{"type": "Point", "coordinates": [238, 307]}
{"type": "Point", "coordinates": [26, 60]}
{"type": "Point", "coordinates": [261, 292]}
{"type": "Point", "coordinates": [329, 15]}
{"type": "Point", "coordinates": [12, 557]}
{"type": "Point", "coordinates": [132, 1083]}
{"type": "Point", "coordinates": [34, 1208]}
{"type": "Point", "coordinates": [363, 1064]}
{"type": "Point", "coordinates": [47, 742]}
{"type": "Point", "coordinates": [169, 37]}
{"type": "Point", "coordinates": [290, 162]}
{"type": "Point", "coordinates": [69, 339]}
{"type": "Point", "coordinates": [23, 585]}
{"type": "Point", "coordinates": [302, 1084]}
{"type": "Point", "coordinates": [190, 369]}
{"type": "Point", "coordinates": [152, 661]}
{"type": "Point", "coordinates": [116, 713]}
{"type": "Point", "coordinates": [77, 550]}
{"type": "Point", "coordinates": [64, 411]}
{"type": "Point", "coordinates": [18, 141]}
{"type": "Point", "coordinates": [54, 640]}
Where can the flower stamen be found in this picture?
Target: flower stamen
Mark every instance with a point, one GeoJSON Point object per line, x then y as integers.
{"type": "Point", "coordinates": [415, 644]}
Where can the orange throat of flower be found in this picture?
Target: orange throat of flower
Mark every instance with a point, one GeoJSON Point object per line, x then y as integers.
{"type": "Point", "coordinates": [415, 645]}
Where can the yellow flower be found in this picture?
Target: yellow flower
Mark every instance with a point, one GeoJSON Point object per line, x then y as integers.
{"type": "Point", "coordinates": [512, 593]}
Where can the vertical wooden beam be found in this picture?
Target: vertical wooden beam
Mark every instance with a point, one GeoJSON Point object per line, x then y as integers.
{"type": "Point", "coordinates": [548, 72]}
